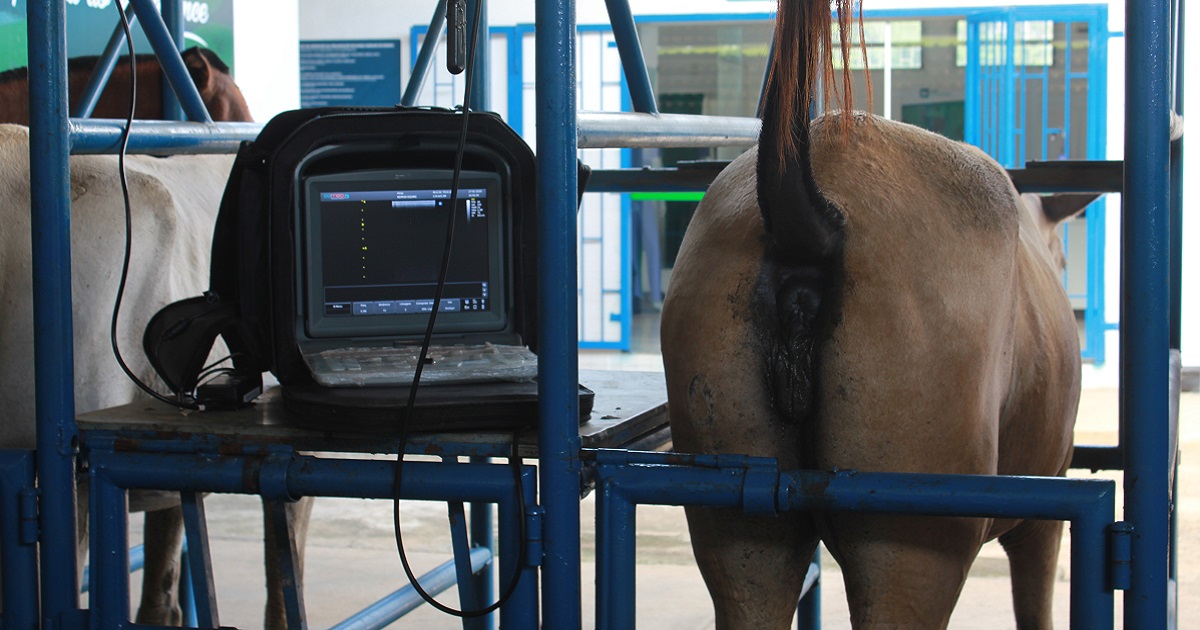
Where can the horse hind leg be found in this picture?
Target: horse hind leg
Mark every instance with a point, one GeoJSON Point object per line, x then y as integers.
{"type": "Point", "coordinates": [1032, 549]}
{"type": "Point", "coordinates": [754, 566]}
{"type": "Point", "coordinates": [163, 544]}
{"type": "Point", "coordinates": [903, 571]}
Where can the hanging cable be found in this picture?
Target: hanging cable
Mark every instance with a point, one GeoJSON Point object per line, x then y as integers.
{"type": "Point", "coordinates": [514, 457]}
{"type": "Point", "coordinates": [116, 313]}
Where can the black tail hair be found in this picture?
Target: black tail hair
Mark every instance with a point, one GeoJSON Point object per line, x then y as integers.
{"type": "Point", "coordinates": [802, 223]}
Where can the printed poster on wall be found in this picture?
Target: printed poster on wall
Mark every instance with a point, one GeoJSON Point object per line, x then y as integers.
{"type": "Point", "coordinates": [363, 73]}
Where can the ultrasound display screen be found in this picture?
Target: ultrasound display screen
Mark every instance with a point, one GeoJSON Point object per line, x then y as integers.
{"type": "Point", "coordinates": [374, 245]}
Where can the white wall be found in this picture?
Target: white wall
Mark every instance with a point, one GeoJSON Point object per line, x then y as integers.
{"type": "Point", "coordinates": [266, 48]}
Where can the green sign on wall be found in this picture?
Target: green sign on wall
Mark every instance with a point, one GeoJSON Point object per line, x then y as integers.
{"type": "Point", "coordinates": [90, 23]}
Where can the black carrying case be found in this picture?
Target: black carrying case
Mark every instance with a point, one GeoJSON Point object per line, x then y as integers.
{"type": "Point", "coordinates": [252, 301]}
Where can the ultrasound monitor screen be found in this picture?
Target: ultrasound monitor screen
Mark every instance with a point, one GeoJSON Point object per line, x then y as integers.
{"type": "Point", "coordinates": [374, 243]}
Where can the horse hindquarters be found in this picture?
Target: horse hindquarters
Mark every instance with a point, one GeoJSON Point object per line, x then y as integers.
{"type": "Point", "coordinates": [917, 369]}
{"type": "Point", "coordinates": [754, 565]}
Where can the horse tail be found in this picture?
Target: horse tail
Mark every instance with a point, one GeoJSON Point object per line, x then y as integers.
{"type": "Point", "coordinates": [804, 228]}
{"type": "Point", "coordinates": [801, 222]}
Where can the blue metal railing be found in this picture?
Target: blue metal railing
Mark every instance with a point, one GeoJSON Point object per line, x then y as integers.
{"type": "Point", "coordinates": [558, 364]}
{"type": "Point", "coordinates": [1145, 338]}
{"type": "Point", "coordinates": [626, 479]}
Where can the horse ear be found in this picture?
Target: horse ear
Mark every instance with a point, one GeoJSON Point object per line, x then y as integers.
{"type": "Point", "coordinates": [1061, 206]}
{"type": "Point", "coordinates": [199, 68]}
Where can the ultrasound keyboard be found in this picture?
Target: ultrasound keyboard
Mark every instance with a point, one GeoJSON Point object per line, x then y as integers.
{"type": "Point", "coordinates": [396, 366]}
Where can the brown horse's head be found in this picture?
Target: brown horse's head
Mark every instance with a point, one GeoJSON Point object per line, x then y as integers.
{"type": "Point", "coordinates": [1049, 211]}
{"type": "Point", "coordinates": [222, 96]}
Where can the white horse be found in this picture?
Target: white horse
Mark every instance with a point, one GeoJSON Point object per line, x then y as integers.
{"type": "Point", "coordinates": [174, 203]}
{"type": "Point", "coordinates": [862, 294]}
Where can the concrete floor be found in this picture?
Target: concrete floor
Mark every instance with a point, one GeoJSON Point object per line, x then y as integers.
{"type": "Point", "coordinates": [352, 560]}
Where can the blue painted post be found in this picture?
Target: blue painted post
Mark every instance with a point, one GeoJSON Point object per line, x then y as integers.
{"type": "Point", "coordinates": [808, 612]}
{"type": "Point", "coordinates": [109, 597]}
{"type": "Point", "coordinates": [468, 598]}
{"type": "Point", "coordinates": [1145, 320]}
{"type": "Point", "coordinates": [18, 539]}
{"type": "Point", "coordinates": [172, 15]}
{"type": "Point", "coordinates": [521, 610]}
{"type": "Point", "coordinates": [204, 592]}
{"type": "Point", "coordinates": [482, 536]}
{"type": "Point", "coordinates": [616, 559]}
{"type": "Point", "coordinates": [558, 365]}
{"type": "Point", "coordinates": [1176, 230]}
{"type": "Point", "coordinates": [481, 97]}
{"type": "Point", "coordinates": [54, 392]}
{"type": "Point", "coordinates": [633, 61]}
{"type": "Point", "coordinates": [425, 56]}
{"type": "Point", "coordinates": [187, 591]}
{"type": "Point", "coordinates": [172, 64]}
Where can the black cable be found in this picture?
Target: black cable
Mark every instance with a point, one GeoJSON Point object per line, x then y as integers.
{"type": "Point", "coordinates": [514, 458]}
{"type": "Point", "coordinates": [178, 402]}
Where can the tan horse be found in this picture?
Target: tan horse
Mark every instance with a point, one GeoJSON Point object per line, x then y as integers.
{"type": "Point", "coordinates": [862, 294]}
{"type": "Point", "coordinates": [185, 189]}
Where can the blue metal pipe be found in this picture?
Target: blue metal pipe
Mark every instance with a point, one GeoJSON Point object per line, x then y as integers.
{"type": "Point", "coordinates": [425, 56]}
{"type": "Point", "coordinates": [187, 593]}
{"type": "Point", "coordinates": [633, 60]}
{"type": "Point", "coordinates": [482, 536]}
{"type": "Point", "coordinates": [172, 15]}
{"type": "Point", "coordinates": [158, 137]}
{"type": "Point", "coordinates": [481, 74]}
{"type": "Point", "coordinates": [19, 557]}
{"type": "Point", "coordinates": [521, 609]}
{"type": "Point", "coordinates": [1145, 318]}
{"type": "Point", "coordinates": [50, 209]}
{"type": "Point", "coordinates": [104, 68]}
{"type": "Point", "coordinates": [109, 601]}
{"type": "Point", "coordinates": [808, 611]}
{"type": "Point", "coordinates": [1088, 504]}
{"type": "Point", "coordinates": [558, 364]}
{"type": "Point", "coordinates": [616, 558]}
{"type": "Point", "coordinates": [172, 64]}
{"type": "Point", "coordinates": [468, 599]}
{"type": "Point", "coordinates": [402, 601]}
{"type": "Point", "coordinates": [311, 476]}
{"type": "Point", "coordinates": [306, 476]}
{"type": "Point", "coordinates": [204, 592]}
